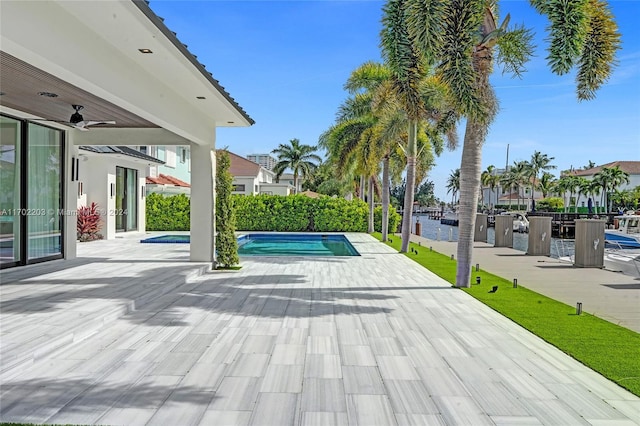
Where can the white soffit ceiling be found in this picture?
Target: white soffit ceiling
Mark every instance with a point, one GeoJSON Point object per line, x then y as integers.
{"type": "Point", "coordinates": [94, 45]}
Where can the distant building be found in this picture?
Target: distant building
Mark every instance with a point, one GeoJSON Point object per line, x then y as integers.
{"type": "Point", "coordinates": [265, 160]}
{"type": "Point", "coordinates": [250, 178]}
{"type": "Point", "coordinates": [630, 167]}
{"type": "Point", "coordinates": [288, 179]}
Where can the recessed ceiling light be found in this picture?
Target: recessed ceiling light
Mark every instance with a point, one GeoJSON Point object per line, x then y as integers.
{"type": "Point", "coordinates": [145, 50]}
{"type": "Point", "coordinates": [200, 97]}
{"type": "Point", "coordinates": [48, 94]}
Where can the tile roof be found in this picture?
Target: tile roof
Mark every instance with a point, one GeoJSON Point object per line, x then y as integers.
{"type": "Point", "coordinates": [311, 194]}
{"type": "Point", "coordinates": [631, 167]}
{"type": "Point", "coordinates": [240, 166]}
{"type": "Point", "coordinates": [122, 150]}
{"type": "Point", "coordinates": [163, 179]}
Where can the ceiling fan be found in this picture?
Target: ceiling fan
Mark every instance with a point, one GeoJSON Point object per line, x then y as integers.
{"type": "Point", "coordinates": [77, 120]}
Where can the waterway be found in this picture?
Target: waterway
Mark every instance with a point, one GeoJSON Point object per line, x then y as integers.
{"type": "Point", "coordinates": [434, 230]}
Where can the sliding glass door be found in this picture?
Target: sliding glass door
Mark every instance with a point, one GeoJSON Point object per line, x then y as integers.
{"type": "Point", "coordinates": [31, 192]}
{"type": "Point", "coordinates": [44, 189]}
{"type": "Point", "coordinates": [126, 199]}
{"type": "Point", "coordinates": [10, 195]}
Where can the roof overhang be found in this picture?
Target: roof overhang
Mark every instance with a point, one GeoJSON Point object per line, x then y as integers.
{"type": "Point", "coordinates": [88, 54]}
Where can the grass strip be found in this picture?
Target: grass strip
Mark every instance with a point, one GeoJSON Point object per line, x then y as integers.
{"type": "Point", "coordinates": [607, 348]}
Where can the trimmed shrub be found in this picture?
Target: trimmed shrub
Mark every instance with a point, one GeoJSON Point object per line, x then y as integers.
{"type": "Point", "coordinates": [226, 242]}
{"type": "Point", "coordinates": [394, 219]}
{"type": "Point", "coordinates": [273, 212]}
{"type": "Point", "coordinates": [167, 213]}
{"type": "Point", "coordinates": [293, 213]}
{"type": "Point", "coordinates": [338, 214]}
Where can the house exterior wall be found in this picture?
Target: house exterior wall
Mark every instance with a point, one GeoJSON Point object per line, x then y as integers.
{"type": "Point", "coordinates": [288, 178]}
{"type": "Point", "coordinates": [276, 189]}
{"type": "Point", "coordinates": [177, 161]}
{"type": "Point", "coordinates": [251, 185]}
{"type": "Point", "coordinates": [97, 173]}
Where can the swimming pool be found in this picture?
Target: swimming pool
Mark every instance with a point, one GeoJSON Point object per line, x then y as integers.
{"type": "Point", "coordinates": [167, 239]}
{"type": "Point", "coordinates": [295, 245]}
{"type": "Point", "coordinates": [278, 244]}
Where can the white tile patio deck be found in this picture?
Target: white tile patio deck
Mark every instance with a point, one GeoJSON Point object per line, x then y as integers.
{"type": "Point", "coordinates": [130, 334]}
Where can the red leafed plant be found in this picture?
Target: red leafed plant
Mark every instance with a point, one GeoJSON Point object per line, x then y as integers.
{"type": "Point", "coordinates": [89, 223]}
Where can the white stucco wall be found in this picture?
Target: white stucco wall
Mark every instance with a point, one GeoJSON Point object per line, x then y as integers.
{"type": "Point", "coordinates": [249, 184]}
{"type": "Point", "coordinates": [97, 173]}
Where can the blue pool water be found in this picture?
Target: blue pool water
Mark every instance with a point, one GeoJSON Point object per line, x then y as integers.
{"type": "Point", "coordinates": [167, 239]}
{"type": "Point", "coordinates": [295, 245]}
{"type": "Point", "coordinates": [279, 244]}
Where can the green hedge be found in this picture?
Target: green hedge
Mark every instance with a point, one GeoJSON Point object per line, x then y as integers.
{"type": "Point", "coordinates": [167, 213]}
{"type": "Point", "coordinates": [294, 213]}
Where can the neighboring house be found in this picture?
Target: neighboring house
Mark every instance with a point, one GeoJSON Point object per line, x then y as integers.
{"type": "Point", "coordinates": [167, 185]}
{"type": "Point", "coordinates": [265, 160]}
{"type": "Point", "coordinates": [173, 175]}
{"type": "Point", "coordinates": [251, 178]}
{"type": "Point", "coordinates": [114, 178]}
{"type": "Point", "coordinates": [288, 179]}
{"type": "Point", "coordinates": [632, 168]}
{"type": "Point", "coordinates": [64, 64]}
{"type": "Point", "coordinates": [501, 195]}
{"type": "Point", "coordinates": [176, 161]}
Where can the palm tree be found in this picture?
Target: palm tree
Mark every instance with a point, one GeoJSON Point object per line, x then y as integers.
{"type": "Point", "coordinates": [594, 189]}
{"type": "Point", "coordinates": [546, 184]}
{"type": "Point", "coordinates": [539, 162]}
{"type": "Point", "coordinates": [350, 151]}
{"type": "Point", "coordinates": [570, 184]}
{"type": "Point", "coordinates": [301, 159]}
{"type": "Point", "coordinates": [453, 185]}
{"type": "Point", "coordinates": [522, 172]}
{"type": "Point", "coordinates": [489, 180]}
{"type": "Point", "coordinates": [461, 36]}
{"type": "Point", "coordinates": [374, 122]}
{"type": "Point", "coordinates": [609, 178]}
{"type": "Point", "coordinates": [590, 165]}
{"type": "Point", "coordinates": [417, 100]}
{"type": "Point", "coordinates": [583, 187]}
{"type": "Point", "coordinates": [617, 177]}
{"type": "Point", "coordinates": [509, 180]}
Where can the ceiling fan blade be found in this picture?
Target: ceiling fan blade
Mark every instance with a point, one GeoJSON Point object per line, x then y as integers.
{"type": "Point", "coordinates": [81, 125]}
{"type": "Point", "coordinates": [97, 123]}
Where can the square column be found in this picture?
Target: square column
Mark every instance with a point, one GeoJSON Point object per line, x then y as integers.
{"type": "Point", "coordinates": [70, 197]}
{"type": "Point", "coordinates": [203, 169]}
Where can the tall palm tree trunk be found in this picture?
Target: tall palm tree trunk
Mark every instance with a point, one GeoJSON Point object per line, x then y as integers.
{"type": "Point", "coordinates": [385, 198]}
{"type": "Point", "coordinates": [362, 187]}
{"type": "Point", "coordinates": [371, 206]}
{"type": "Point", "coordinates": [295, 181]}
{"type": "Point", "coordinates": [410, 187]}
{"type": "Point", "coordinates": [470, 170]}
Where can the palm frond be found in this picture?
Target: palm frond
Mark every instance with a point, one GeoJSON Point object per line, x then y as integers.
{"type": "Point", "coordinates": [598, 54]}
{"type": "Point", "coordinates": [401, 56]}
{"type": "Point", "coordinates": [569, 21]}
{"type": "Point", "coordinates": [355, 106]}
{"type": "Point", "coordinates": [515, 48]}
{"type": "Point", "coordinates": [424, 25]}
{"type": "Point", "coordinates": [460, 26]}
{"type": "Point", "coordinates": [367, 77]}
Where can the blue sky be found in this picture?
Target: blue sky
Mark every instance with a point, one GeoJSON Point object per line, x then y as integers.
{"type": "Point", "coordinates": [285, 62]}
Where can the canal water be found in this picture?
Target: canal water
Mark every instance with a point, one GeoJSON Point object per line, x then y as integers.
{"type": "Point", "coordinates": [434, 230]}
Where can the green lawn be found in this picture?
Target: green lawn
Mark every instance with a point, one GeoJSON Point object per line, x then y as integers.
{"type": "Point", "coordinates": [607, 348]}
